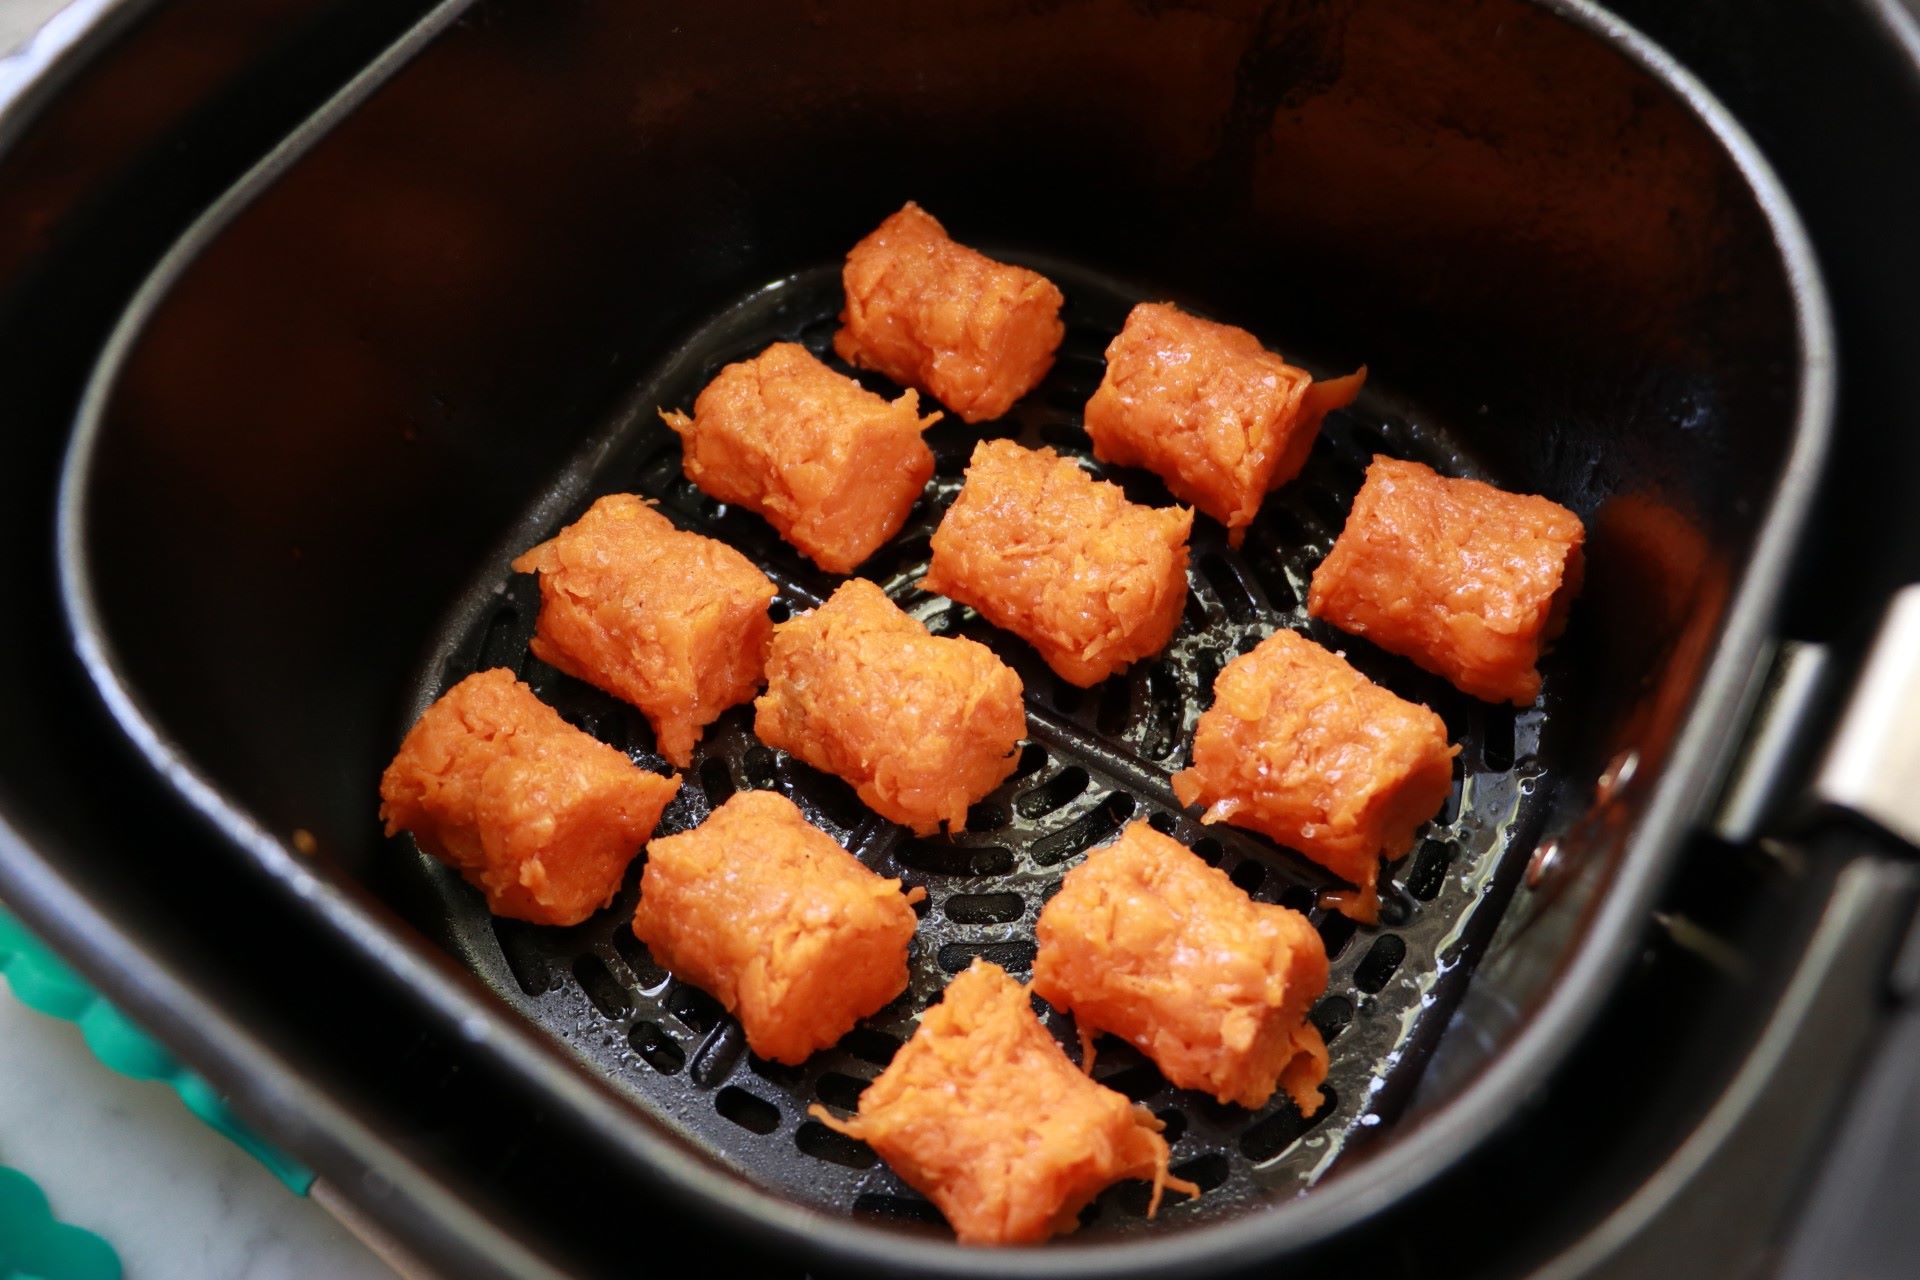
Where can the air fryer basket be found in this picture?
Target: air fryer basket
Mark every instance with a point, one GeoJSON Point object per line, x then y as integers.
{"type": "Point", "coordinates": [436, 326]}
{"type": "Point", "coordinates": [1095, 760]}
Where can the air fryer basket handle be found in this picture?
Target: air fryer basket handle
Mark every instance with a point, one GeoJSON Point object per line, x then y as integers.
{"type": "Point", "coordinates": [1872, 763]}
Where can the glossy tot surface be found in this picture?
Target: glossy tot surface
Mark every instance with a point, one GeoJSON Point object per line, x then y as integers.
{"type": "Point", "coordinates": [1148, 942]}
{"type": "Point", "coordinates": [673, 622]}
{"type": "Point", "coordinates": [539, 816]}
{"type": "Point", "coordinates": [1467, 580]}
{"type": "Point", "coordinates": [929, 313]}
{"type": "Point", "coordinates": [1092, 581]}
{"type": "Point", "coordinates": [921, 726]}
{"type": "Point", "coordinates": [1302, 748]}
{"type": "Point", "coordinates": [1205, 407]}
{"type": "Point", "coordinates": [793, 934]}
{"type": "Point", "coordinates": [982, 1113]}
{"type": "Point", "coordinates": [831, 466]}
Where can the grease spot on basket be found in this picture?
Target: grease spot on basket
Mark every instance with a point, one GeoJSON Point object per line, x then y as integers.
{"type": "Point", "coordinates": [694, 1007]}
{"type": "Point", "coordinates": [602, 988]}
{"type": "Point", "coordinates": [1102, 821]}
{"type": "Point", "coordinates": [716, 779]}
{"type": "Point", "coordinates": [716, 1058]}
{"type": "Point", "coordinates": [943, 858]}
{"type": "Point", "coordinates": [1159, 735]}
{"type": "Point", "coordinates": [1331, 1016]}
{"type": "Point", "coordinates": [988, 815]}
{"type": "Point", "coordinates": [1427, 870]}
{"type": "Point", "coordinates": [1272, 1134]}
{"type": "Point", "coordinates": [1052, 794]}
{"type": "Point", "coordinates": [1377, 968]}
{"type": "Point", "coordinates": [1116, 705]}
{"type": "Point", "coordinates": [1264, 562]}
{"type": "Point", "coordinates": [1014, 957]}
{"type": "Point", "coordinates": [1450, 812]}
{"type": "Point", "coordinates": [985, 908]}
{"type": "Point", "coordinates": [761, 768]}
{"type": "Point", "coordinates": [1033, 758]}
{"type": "Point", "coordinates": [639, 961]}
{"type": "Point", "coordinates": [1194, 616]}
{"type": "Point", "coordinates": [1229, 589]}
{"type": "Point", "coordinates": [656, 1048]}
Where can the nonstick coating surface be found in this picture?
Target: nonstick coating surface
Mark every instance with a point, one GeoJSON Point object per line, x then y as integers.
{"type": "Point", "coordinates": [1095, 759]}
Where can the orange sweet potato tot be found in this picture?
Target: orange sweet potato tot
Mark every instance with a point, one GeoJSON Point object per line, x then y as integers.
{"type": "Point", "coordinates": [921, 726]}
{"type": "Point", "coordinates": [1209, 410]}
{"type": "Point", "coordinates": [981, 1112]}
{"type": "Point", "coordinates": [1062, 560]}
{"type": "Point", "coordinates": [973, 333]}
{"type": "Point", "coordinates": [537, 815]}
{"type": "Point", "coordinates": [1146, 941]}
{"type": "Point", "coordinates": [831, 466]}
{"type": "Point", "coordinates": [1302, 748]}
{"type": "Point", "coordinates": [791, 932]}
{"type": "Point", "coordinates": [1467, 580]}
{"type": "Point", "coordinates": [673, 622]}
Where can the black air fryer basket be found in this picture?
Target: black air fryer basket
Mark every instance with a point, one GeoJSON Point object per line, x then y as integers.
{"type": "Point", "coordinates": [434, 323]}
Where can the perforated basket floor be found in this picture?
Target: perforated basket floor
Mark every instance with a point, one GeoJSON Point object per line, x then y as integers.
{"type": "Point", "coordinates": [1095, 760]}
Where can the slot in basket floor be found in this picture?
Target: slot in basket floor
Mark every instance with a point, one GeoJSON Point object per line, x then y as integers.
{"type": "Point", "coordinates": [1095, 760]}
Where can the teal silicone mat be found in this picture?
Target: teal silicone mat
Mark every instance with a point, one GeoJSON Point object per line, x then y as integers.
{"type": "Point", "coordinates": [34, 1245]}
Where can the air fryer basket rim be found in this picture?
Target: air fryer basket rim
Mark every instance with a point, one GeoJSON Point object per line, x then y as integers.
{"type": "Point", "coordinates": [1423, 1150]}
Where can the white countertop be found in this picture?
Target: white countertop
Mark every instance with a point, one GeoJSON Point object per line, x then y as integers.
{"type": "Point", "coordinates": [124, 1159]}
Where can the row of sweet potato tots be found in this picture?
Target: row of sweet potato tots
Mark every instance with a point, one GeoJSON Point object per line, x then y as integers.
{"type": "Point", "coordinates": [799, 939]}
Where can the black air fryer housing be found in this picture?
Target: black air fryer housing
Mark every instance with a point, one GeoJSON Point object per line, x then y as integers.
{"type": "Point", "coordinates": [359, 383]}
